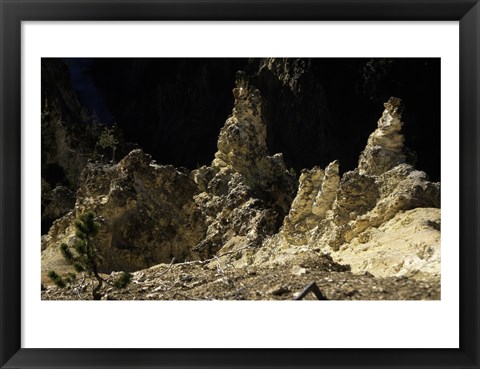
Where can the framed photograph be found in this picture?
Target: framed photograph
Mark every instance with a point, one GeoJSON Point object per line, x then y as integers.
{"type": "Point", "coordinates": [239, 184]}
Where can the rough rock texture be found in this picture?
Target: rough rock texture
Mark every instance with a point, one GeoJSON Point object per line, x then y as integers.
{"type": "Point", "coordinates": [147, 213]}
{"type": "Point", "coordinates": [151, 214]}
{"type": "Point", "coordinates": [55, 203]}
{"type": "Point", "coordinates": [366, 205]}
{"type": "Point", "coordinates": [385, 146]}
{"type": "Point", "coordinates": [174, 107]}
{"type": "Point", "coordinates": [69, 140]}
{"type": "Point", "coordinates": [235, 216]}
{"type": "Point", "coordinates": [65, 137]}
{"type": "Point", "coordinates": [316, 194]}
{"type": "Point", "coordinates": [242, 143]}
{"type": "Point", "coordinates": [290, 72]}
{"type": "Point", "coordinates": [241, 212]}
{"type": "Point", "coordinates": [326, 195]}
{"type": "Point", "coordinates": [408, 244]}
{"type": "Point", "coordinates": [245, 193]}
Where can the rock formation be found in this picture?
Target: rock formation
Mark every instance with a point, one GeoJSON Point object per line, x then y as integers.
{"type": "Point", "coordinates": [147, 213]}
{"type": "Point", "coordinates": [242, 143]}
{"type": "Point", "coordinates": [69, 140]}
{"type": "Point", "coordinates": [64, 121]}
{"type": "Point", "coordinates": [365, 210]}
{"type": "Point", "coordinates": [64, 147]}
{"type": "Point", "coordinates": [151, 214]}
{"type": "Point", "coordinates": [55, 203]}
{"type": "Point", "coordinates": [174, 107]}
{"type": "Point", "coordinates": [241, 211]}
{"type": "Point", "coordinates": [245, 193]}
{"type": "Point", "coordinates": [385, 146]}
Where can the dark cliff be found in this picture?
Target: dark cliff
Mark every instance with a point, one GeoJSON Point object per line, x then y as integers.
{"type": "Point", "coordinates": [316, 110]}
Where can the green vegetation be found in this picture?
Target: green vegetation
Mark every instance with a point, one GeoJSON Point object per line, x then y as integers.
{"type": "Point", "coordinates": [56, 279]}
{"type": "Point", "coordinates": [123, 281]}
{"type": "Point", "coordinates": [108, 140]}
{"type": "Point", "coordinates": [85, 258]}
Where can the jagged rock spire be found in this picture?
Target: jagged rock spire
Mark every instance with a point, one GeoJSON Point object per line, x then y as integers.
{"type": "Point", "coordinates": [242, 139]}
{"type": "Point", "coordinates": [384, 148]}
{"type": "Point", "coordinates": [242, 143]}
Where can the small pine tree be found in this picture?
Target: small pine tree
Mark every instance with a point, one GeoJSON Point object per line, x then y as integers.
{"type": "Point", "coordinates": [86, 257]}
{"type": "Point", "coordinates": [107, 140]}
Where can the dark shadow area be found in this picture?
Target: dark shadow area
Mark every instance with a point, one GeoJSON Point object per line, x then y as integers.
{"type": "Point", "coordinates": [174, 108]}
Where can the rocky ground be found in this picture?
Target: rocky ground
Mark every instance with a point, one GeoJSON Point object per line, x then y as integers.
{"type": "Point", "coordinates": [281, 281]}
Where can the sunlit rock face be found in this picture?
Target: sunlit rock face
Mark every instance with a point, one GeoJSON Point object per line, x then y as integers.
{"type": "Point", "coordinates": [382, 217]}
{"type": "Point", "coordinates": [242, 141]}
{"type": "Point", "coordinates": [316, 194]}
{"type": "Point", "coordinates": [245, 209]}
{"type": "Point", "coordinates": [406, 245]}
{"type": "Point", "coordinates": [245, 193]}
{"type": "Point", "coordinates": [367, 206]}
{"type": "Point", "coordinates": [384, 149]}
{"type": "Point", "coordinates": [152, 214]}
{"type": "Point", "coordinates": [146, 211]}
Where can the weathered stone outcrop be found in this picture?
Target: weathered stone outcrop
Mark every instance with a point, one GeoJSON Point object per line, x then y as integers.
{"type": "Point", "coordinates": [151, 214]}
{"type": "Point", "coordinates": [65, 130]}
{"type": "Point", "coordinates": [406, 245]}
{"type": "Point", "coordinates": [367, 205]}
{"type": "Point", "coordinates": [147, 213]}
{"type": "Point", "coordinates": [243, 205]}
{"type": "Point", "coordinates": [174, 107]}
{"type": "Point", "coordinates": [242, 143]}
{"type": "Point", "coordinates": [326, 196]}
{"type": "Point", "coordinates": [385, 146]}
{"type": "Point", "coordinates": [316, 193]}
{"type": "Point", "coordinates": [55, 203]}
{"type": "Point", "coordinates": [236, 217]}
{"type": "Point", "coordinates": [245, 193]}
{"type": "Point", "coordinates": [69, 140]}
{"type": "Point", "coordinates": [240, 215]}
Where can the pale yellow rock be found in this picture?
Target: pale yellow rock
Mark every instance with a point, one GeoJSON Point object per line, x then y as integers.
{"type": "Point", "coordinates": [246, 193]}
{"type": "Point", "coordinates": [316, 193]}
{"type": "Point", "coordinates": [384, 149]}
{"type": "Point", "coordinates": [298, 270]}
{"type": "Point", "coordinates": [328, 191]}
{"type": "Point", "coordinates": [406, 245]}
{"type": "Point", "coordinates": [310, 185]}
{"type": "Point", "coordinates": [242, 143]}
{"type": "Point", "coordinates": [147, 215]}
{"type": "Point", "coordinates": [383, 217]}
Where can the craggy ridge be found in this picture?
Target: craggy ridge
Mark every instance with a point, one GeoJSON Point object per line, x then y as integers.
{"type": "Point", "coordinates": [245, 228]}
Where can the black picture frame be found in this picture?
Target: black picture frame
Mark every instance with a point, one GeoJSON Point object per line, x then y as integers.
{"type": "Point", "coordinates": [13, 12]}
